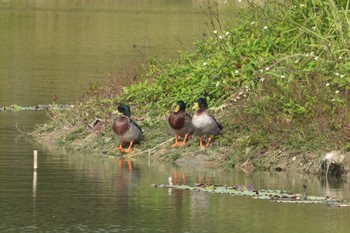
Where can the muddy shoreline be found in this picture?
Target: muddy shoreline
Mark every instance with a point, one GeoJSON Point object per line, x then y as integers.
{"type": "Point", "coordinates": [333, 163]}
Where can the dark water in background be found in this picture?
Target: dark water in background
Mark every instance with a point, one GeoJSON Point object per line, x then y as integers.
{"type": "Point", "coordinates": [53, 47]}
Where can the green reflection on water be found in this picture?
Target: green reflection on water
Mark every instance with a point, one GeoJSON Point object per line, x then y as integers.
{"type": "Point", "coordinates": [55, 47]}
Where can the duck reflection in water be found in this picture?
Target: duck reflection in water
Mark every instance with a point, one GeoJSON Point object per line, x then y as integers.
{"type": "Point", "coordinates": [125, 161]}
{"type": "Point", "coordinates": [179, 177]}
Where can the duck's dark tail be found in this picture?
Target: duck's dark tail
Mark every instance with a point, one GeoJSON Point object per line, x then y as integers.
{"type": "Point", "coordinates": [221, 127]}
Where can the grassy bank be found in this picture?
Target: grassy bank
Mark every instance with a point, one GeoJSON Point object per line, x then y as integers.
{"type": "Point", "coordinates": [278, 82]}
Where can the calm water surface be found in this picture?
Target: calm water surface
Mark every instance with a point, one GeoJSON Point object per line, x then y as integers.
{"type": "Point", "coordinates": [57, 46]}
{"type": "Point", "coordinates": [54, 47]}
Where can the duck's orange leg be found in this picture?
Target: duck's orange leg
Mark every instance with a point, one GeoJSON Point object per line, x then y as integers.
{"type": "Point", "coordinates": [184, 141]}
{"type": "Point", "coordinates": [201, 141]}
{"type": "Point", "coordinates": [129, 148]}
{"type": "Point", "coordinates": [208, 141]}
{"type": "Point", "coordinates": [176, 141]}
{"type": "Point", "coordinates": [120, 146]}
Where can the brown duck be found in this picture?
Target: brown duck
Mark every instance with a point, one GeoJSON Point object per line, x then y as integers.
{"type": "Point", "coordinates": [181, 123]}
{"type": "Point", "coordinates": [126, 129]}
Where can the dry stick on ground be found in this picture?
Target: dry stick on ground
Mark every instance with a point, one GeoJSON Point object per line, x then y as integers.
{"type": "Point", "coordinates": [153, 148]}
{"type": "Point", "coordinates": [243, 165]}
{"type": "Point", "coordinates": [308, 167]}
{"type": "Point", "coordinates": [21, 131]}
{"type": "Point", "coordinates": [277, 154]}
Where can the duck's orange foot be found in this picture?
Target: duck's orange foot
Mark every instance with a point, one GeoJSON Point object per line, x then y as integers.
{"type": "Point", "coordinates": [182, 144]}
{"type": "Point", "coordinates": [208, 141]}
{"type": "Point", "coordinates": [129, 148]}
{"type": "Point", "coordinates": [175, 144]}
{"type": "Point", "coordinates": [118, 148]}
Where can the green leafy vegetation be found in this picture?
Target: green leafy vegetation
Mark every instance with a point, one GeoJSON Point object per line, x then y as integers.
{"type": "Point", "coordinates": [277, 80]}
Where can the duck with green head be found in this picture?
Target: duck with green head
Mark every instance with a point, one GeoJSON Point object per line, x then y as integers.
{"type": "Point", "coordinates": [126, 129]}
{"type": "Point", "coordinates": [204, 124]}
{"type": "Point", "coordinates": [181, 123]}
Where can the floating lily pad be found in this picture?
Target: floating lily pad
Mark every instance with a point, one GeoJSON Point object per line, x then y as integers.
{"type": "Point", "coordinates": [41, 107]}
{"type": "Point", "coordinates": [273, 195]}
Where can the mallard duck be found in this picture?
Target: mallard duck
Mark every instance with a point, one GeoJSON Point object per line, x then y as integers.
{"type": "Point", "coordinates": [204, 124]}
{"type": "Point", "coordinates": [126, 129]}
{"type": "Point", "coordinates": [181, 123]}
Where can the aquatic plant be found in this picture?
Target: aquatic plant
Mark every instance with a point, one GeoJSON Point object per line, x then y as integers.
{"type": "Point", "coordinates": [282, 196]}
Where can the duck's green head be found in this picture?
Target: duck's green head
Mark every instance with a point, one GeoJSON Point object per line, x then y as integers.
{"type": "Point", "coordinates": [124, 109]}
{"type": "Point", "coordinates": [201, 103]}
{"type": "Point", "coordinates": [180, 106]}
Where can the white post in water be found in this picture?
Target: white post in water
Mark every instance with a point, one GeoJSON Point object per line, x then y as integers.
{"type": "Point", "coordinates": [170, 180]}
{"type": "Point", "coordinates": [35, 160]}
{"type": "Point", "coordinates": [170, 190]}
{"type": "Point", "coordinates": [35, 177]}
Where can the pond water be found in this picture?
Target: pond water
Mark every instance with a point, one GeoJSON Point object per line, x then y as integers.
{"type": "Point", "coordinates": [55, 47]}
